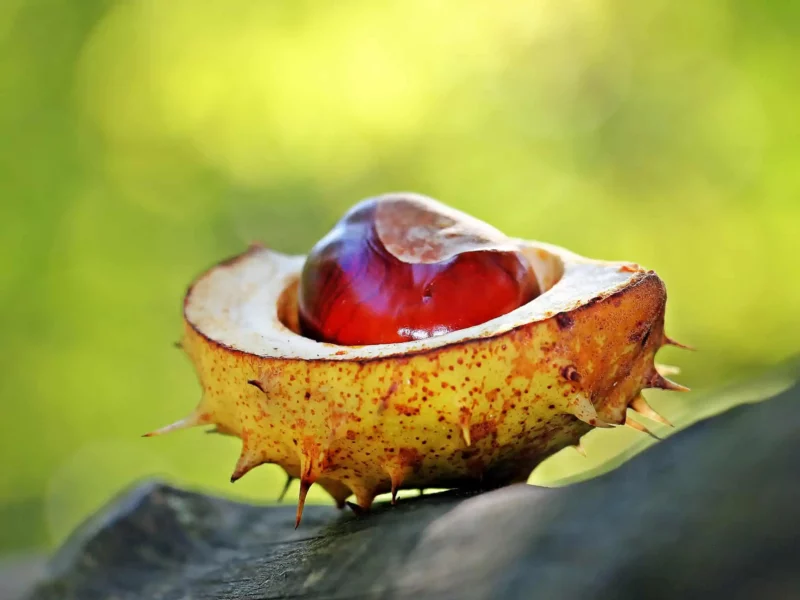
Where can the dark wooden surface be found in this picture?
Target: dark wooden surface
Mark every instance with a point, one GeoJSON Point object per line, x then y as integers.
{"type": "Point", "coordinates": [712, 512]}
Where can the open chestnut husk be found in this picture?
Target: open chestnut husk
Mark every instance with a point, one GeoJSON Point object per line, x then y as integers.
{"type": "Point", "coordinates": [418, 347]}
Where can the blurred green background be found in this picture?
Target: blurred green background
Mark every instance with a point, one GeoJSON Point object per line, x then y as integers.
{"type": "Point", "coordinates": [143, 140]}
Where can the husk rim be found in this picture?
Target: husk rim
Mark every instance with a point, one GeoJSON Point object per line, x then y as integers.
{"type": "Point", "coordinates": [583, 281]}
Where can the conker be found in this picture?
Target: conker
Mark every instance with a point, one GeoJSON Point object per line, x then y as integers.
{"type": "Point", "coordinates": [404, 267]}
{"type": "Point", "coordinates": [479, 409]}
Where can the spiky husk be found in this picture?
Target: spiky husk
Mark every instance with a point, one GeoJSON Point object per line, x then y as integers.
{"type": "Point", "coordinates": [483, 412]}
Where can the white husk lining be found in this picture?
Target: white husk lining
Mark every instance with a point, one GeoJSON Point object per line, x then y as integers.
{"type": "Point", "coordinates": [235, 304]}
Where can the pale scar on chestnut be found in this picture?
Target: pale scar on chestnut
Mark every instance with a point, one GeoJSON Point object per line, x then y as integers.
{"type": "Point", "coordinates": [418, 347]}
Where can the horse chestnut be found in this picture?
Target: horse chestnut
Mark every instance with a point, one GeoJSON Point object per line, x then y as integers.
{"type": "Point", "coordinates": [403, 267]}
{"type": "Point", "coordinates": [479, 408]}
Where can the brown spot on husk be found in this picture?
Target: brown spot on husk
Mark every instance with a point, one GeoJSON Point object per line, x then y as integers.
{"type": "Point", "coordinates": [478, 431]}
{"type": "Point", "coordinates": [564, 321]}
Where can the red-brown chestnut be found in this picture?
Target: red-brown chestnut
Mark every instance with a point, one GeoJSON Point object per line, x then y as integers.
{"type": "Point", "coordinates": [398, 268]}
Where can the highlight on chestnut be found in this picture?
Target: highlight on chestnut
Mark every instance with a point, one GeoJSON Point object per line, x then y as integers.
{"type": "Point", "coordinates": [419, 347]}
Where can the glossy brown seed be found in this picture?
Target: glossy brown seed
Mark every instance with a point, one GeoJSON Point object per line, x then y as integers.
{"type": "Point", "coordinates": [399, 268]}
